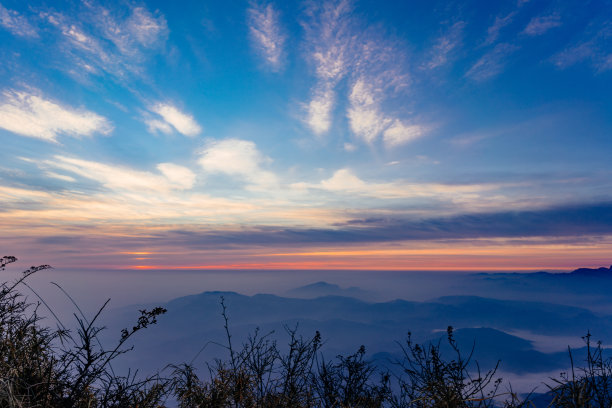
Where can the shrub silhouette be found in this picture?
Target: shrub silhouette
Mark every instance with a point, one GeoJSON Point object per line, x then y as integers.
{"type": "Point", "coordinates": [589, 386]}
{"type": "Point", "coordinates": [42, 367]}
{"type": "Point", "coordinates": [45, 367]}
{"type": "Point", "coordinates": [431, 381]}
{"type": "Point", "coordinates": [260, 374]}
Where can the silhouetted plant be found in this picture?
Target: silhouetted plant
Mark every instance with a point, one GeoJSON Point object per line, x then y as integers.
{"type": "Point", "coordinates": [42, 367]}
{"type": "Point", "coordinates": [429, 380]}
{"type": "Point", "coordinates": [262, 375]}
{"type": "Point", "coordinates": [348, 382]}
{"type": "Point", "coordinates": [587, 387]}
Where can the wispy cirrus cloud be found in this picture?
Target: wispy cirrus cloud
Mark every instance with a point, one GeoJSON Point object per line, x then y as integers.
{"type": "Point", "coordinates": [542, 24]}
{"type": "Point", "coordinates": [329, 30]}
{"type": "Point", "coordinates": [239, 159]}
{"type": "Point", "coordinates": [137, 201]}
{"type": "Point", "coordinates": [130, 35]}
{"type": "Point", "coordinates": [319, 109]}
{"type": "Point", "coordinates": [445, 45]}
{"type": "Point", "coordinates": [399, 133]}
{"type": "Point", "coordinates": [492, 63]}
{"type": "Point", "coordinates": [75, 35]}
{"type": "Point", "coordinates": [169, 119]}
{"type": "Point", "coordinates": [369, 122]}
{"type": "Point", "coordinates": [87, 54]}
{"type": "Point", "coordinates": [266, 34]}
{"type": "Point", "coordinates": [346, 182]}
{"type": "Point", "coordinates": [594, 48]}
{"type": "Point", "coordinates": [158, 125]}
{"type": "Point", "coordinates": [30, 114]}
{"type": "Point", "coordinates": [121, 178]}
{"type": "Point", "coordinates": [179, 176]}
{"type": "Point", "coordinates": [328, 34]}
{"type": "Point", "coordinates": [96, 191]}
{"type": "Point", "coordinates": [365, 118]}
{"type": "Point", "coordinates": [118, 192]}
{"type": "Point", "coordinates": [146, 29]}
{"type": "Point", "coordinates": [58, 176]}
{"type": "Point", "coordinates": [100, 40]}
{"type": "Point", "coordinates": [498, 25]}
{"type": "Point", "coordinates": [342, 47]}
{"type": "Point", "coordinates": [16, 23]}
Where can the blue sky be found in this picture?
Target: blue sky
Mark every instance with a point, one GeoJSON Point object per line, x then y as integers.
{"type": "Point", "coordinates": [271, 125]}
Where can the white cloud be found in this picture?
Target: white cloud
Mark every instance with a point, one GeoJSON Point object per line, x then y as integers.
{"type": "Point", "coordinates": [84, 50]}
{"type": "Point", "coordinates": [62, 177]}
{"type": "Point", "coordinates": [101, 40]}
{"type": "Point", "coordinates": [500, 22]}
{"type": "Point", "coordinates": [238, 158]}
{"type": "Point", "coordinates": [178, 175]}
{"type": "Point", "coordinates": [340, 46]}
{"type": "Point", "coordinates": [329, 41]}
{"type": "Point", "coordinates": [492, 63]}
{"type": "Point", "coordinates": [575, 54]}
{"type": "Point", "coordinates": [146, 29]}
{"type": "Point", "coordinates": [319, 110]}
{"type": "Point", "coordinates": [593, 48]}
{"type": "Point", "coordinates": [365, 118]}
{"type": "Point", "coordinates": [329, 34]}
{"type": "Point", "coordinates": [31, 115]}
{"type": "Point", "coordinates": [120, 178]}
{"type": "Point", "coordinates": [378, 76]}
{"type": "Point", "coordinates": [399, 133]}
{"type": "Point", "coordinates": [266, 34]}
{"type": "Point", "coordinates": [605, 63]}
{"type": "Point", "coordinates": [344, 181]}
{"type": "Point", "coordinates": [540, 25]}
{"type": "Point", "coordinates": [156, 125]}
{"type": "Point", "coordinates": [350, 147]}
{"type": "Point", "coordinates": [16, 23]}
{"type": "Point", "coordinates": [445, 45]}
{"type": "Point", "coordinates": [13, 195]}
{"type": "Point", "coordinates": [53, 208]}
{"type": "Point", "coordinates": [368, 122]}
{"type": "Point", "coordinates": [141, 29]}
{"type": "Point", "coordinates": [79, 37]}
{"type": "Point", "coordinates": [76, 35]}
{"type": "Point", "coordinates": [172, 116]}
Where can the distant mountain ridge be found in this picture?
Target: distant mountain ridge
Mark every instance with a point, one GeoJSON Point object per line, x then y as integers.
{"type": "Point", "coordinates": [599, 272]}
{"type": "Point", "coordinates": [194, 321]}
{"type": "Point", "coordinates": [583, 287]}
{"type": "Point", "coordinates": [322, 288]}
{"type": "Point", "coordinates": [497, 314]}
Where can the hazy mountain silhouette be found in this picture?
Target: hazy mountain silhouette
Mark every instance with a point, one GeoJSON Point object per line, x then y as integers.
{"type": "Point", "coordinates": [583, 287]}
{"type": "Point", "coordinates": [321, 288]}
{"type": "Point", "coordinates": [346, 323]}
{"type": "Point", "coordinates": [598, 273]}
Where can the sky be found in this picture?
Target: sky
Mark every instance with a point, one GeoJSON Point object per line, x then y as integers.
{"type": "Point", "coordinates": [414, 135]}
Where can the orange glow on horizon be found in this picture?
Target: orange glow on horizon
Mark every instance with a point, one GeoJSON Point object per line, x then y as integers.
{"type": "Point", "coordinates": [327, 266]}
{"type": "Point", "coordinates": [503, 251]}
{"type": "Point", "coordinates": [412, 256]}
{"type": "Point", "coordinates": [478, 254]}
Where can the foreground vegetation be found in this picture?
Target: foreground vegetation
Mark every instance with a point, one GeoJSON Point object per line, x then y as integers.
{"type": "Point", "coordinates": [45, 367]}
